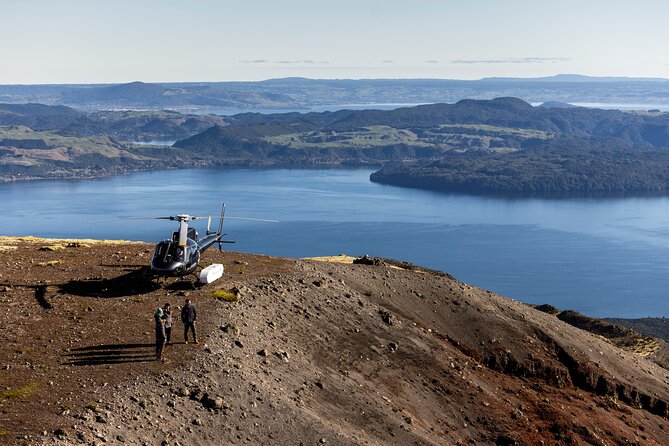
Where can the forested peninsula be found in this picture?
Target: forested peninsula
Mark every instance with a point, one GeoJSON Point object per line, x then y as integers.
{"type": "Point", "coordinates": [546, 171]}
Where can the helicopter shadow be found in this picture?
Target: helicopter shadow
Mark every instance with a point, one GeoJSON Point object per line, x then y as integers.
{"type": "Point", "coordinates": [40, 295]}
{"type": "Point", "coordinates": [131, 284]}
{"type": "Point", "coordinates": [41, 292]}
{"type": "Point", "coordinates": [182, 285]}
{"type": "Point", "coordinates": [110, 354]}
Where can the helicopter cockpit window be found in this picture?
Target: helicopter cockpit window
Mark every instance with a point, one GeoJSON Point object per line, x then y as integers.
{"type": "Point", "coordinates": [162, 249]}
{"type": "Point", "coordinates": [168, 251]}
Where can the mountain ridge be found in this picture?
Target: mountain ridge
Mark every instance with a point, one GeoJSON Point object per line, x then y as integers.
{"type": "Point", "coordinates": [384, 353]}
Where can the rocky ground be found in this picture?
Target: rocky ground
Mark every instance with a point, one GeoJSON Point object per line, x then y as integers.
{"type": "Point", "coordinates": [311, 353]}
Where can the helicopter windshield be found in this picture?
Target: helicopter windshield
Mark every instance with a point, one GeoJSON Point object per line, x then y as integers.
{"type": "Point", "coordinates": [168, 251]}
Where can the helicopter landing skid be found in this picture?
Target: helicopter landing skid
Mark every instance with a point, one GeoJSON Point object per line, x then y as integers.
{"type": "Point", "coordinates": [146, 273]}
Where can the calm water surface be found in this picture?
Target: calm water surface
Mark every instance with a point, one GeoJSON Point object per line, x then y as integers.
{"type": "Point", "coordinates": [604, 257]}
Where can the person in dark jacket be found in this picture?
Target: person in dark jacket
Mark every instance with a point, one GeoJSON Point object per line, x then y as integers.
{"type": "Point", "coordinates": [188, 317]}
{"type": "Point", "coordinates": [160, 334]}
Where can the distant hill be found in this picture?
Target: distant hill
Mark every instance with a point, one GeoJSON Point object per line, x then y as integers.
{"type": "Point", "coordinates": [38, 116]}
{"type": "Point", "coordinates": [498, 117]}
{"type": "Point", "coordinates": [133, 92]}
{"type": "Point", "coordinates": [556, 104]}
{"type": "Point", "coordinates": [297, 93]}
{"type": "Point", "coordinates": [40, 141]}
{"type": "Point", "coordinates": [578, 78]}
{"type": "Point", "coordinates": [142, 95]}
{"type": "Point", "coordinates": [37, 110]}
{"type": "Point", "coordinates": [123, 125]}
{"type": "Point", "coordinates": [483, 146]}
{"type": "Point", "coordinates": [502, 145]}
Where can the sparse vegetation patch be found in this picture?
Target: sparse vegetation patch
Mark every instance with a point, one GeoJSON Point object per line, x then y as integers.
{"type": "Point", "coordinates": [224, 295]}
{"type": "Point", "coordinates": [20, 392]}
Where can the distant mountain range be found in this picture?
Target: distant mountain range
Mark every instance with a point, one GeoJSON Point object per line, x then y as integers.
{"type": "Point", "coordinates": [577, 78]}
{"type": "Point", "coordinates": [302, 94]}
{"type": "Point", "coordinates": [503, 145]}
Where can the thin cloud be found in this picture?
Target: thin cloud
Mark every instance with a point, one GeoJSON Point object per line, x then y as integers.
{"type": "Point", "coordinates": [304, 61]}
{"type": "Point", "coordinates": [283, 62]}
{"type": "Point", "coordinates": [387, 61]}
{"type": "Point", "coordinates": [431, 61]}
{"type": "Point", "coordinates": [520, 60]}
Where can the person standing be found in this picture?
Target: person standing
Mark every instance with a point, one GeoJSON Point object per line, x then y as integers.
{"type": "Point", "coordinates": [188, 317]}
{"type": "Point", "coordinates": [167, 316]}
{"type": "Point", "coordinates": [160, 334]}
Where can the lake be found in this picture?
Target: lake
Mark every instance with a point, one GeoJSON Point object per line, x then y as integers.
{"type": "Point", "coordinates": [603, 257]}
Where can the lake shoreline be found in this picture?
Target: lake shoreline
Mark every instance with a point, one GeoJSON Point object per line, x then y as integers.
{"type": "Point", "coordinates": [87, 174]}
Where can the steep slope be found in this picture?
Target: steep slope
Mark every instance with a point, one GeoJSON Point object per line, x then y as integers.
{"type": "Point", "coordinates": [311, 353]}
{"type": "Point", "coordinates": [650, 326]}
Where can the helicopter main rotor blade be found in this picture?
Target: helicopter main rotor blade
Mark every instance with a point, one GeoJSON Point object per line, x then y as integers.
{"type": "Point", "coordinates": [131, 218]}
{"type": "Point", "coordinates": [234, 218]}
{"type": "Point", "coordinates": [189, 217]}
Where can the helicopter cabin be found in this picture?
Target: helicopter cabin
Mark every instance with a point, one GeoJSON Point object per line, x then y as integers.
{"type": "Point", "coordinates": [172, 259]}
{"type": "Point", "coordinates": [168, 251]}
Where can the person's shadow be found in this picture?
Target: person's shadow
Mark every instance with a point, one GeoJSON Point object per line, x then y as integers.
{"type": "Point", "coordinates": [110, 354]}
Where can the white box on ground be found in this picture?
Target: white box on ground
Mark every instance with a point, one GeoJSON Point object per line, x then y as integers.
{"type": "Point", "coordinates": [211, 273]}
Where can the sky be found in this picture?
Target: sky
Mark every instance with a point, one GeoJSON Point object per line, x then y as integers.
{"type": "Point", "coordinates": [102, 41]}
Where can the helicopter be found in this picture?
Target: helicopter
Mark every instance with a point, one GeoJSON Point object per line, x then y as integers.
{"type": "Point", "coordinates": [180, 255]}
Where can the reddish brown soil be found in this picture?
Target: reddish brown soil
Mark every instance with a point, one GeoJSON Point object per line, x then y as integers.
{"type": "Point", "coordinates": [312, 353]}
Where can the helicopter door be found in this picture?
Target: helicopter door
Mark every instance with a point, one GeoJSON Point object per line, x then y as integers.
{"type": "Point", "coordinates": [193, 252]}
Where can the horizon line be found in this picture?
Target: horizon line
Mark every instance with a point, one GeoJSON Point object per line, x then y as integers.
{"type": "Point", "coordinates": [557, 76]}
